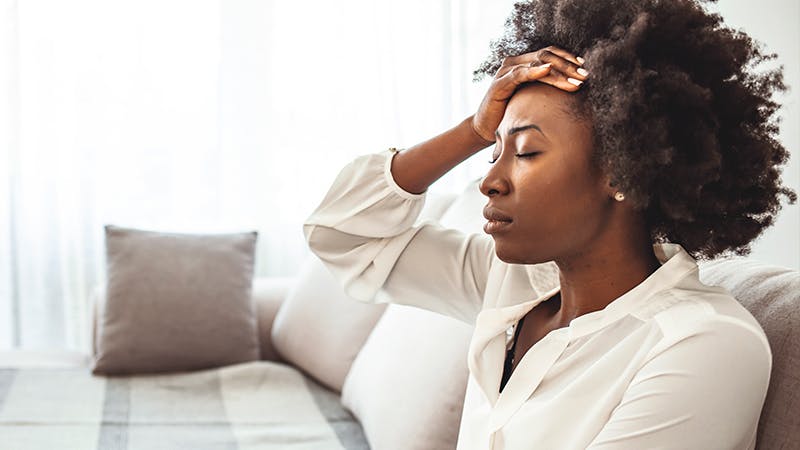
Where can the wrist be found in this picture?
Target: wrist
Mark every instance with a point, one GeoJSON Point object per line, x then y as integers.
{"type": "Point", "coordinates": [479, 139]}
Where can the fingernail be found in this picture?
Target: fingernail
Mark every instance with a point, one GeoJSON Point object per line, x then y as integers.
{"type": "Point", "coordinates": [582, 71]}
{"type": "Point", "coordinates": [546, 65]}
{"type": "Point", "coordinates": [580, 60]}
{"type": "Point", "coordinates": [574, 81]}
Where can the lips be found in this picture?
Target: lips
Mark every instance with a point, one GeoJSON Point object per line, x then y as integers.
{"type": "Point", "coordinates": [493, 214]}
{"type": "Point", "coordinates": [494, 226]}
{"type": "Point", "coordinates": [497, 220]}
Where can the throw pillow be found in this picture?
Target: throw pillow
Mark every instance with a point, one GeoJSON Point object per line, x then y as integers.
{"type": "Point", "coordinates": [176, 302]}
{"type": "Point", "coordinates": [319, 329]}
{"type": "Point", "coordinates": [407, 385]}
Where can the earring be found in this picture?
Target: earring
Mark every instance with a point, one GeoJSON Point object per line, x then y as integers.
{"type": "Point", "coordinates": [619, 196]}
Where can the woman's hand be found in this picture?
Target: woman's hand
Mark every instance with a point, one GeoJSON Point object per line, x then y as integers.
{"type": "Point", "coordinates": [550, 65]}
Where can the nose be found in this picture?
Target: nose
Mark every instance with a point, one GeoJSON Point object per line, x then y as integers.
{"type": "Point", "coordinates": [495, 182]}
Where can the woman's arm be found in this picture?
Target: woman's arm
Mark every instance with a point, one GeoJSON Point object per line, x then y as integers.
{"type": "Point", "coordinates": [366, 232]}
{"type": "Point", "coordinates": [417, 167]}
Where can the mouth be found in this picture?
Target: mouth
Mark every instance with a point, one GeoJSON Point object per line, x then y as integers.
{"type": "Point", "coordinates": [494, 226]}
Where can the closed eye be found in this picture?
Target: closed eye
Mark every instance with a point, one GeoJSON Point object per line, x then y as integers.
{"type": "Point", "coordinates": [521, 155]}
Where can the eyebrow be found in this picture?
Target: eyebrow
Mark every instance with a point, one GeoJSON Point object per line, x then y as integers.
{"type": "Point", "coordinates": [515, 130]}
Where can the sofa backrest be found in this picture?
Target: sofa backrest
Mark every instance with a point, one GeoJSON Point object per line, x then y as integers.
{"type": "Point", "coordinates": [772, 295]}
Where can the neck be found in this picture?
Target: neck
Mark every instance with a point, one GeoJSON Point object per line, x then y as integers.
{"type": "Point", "coordinates": [603, 272]}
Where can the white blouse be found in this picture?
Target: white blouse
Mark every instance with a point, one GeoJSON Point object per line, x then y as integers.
{"type": "Point", "coordinates": [672, 363]}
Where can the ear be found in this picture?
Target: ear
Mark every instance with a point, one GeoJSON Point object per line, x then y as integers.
{"type": "Point", "coordinates": [609, 186]}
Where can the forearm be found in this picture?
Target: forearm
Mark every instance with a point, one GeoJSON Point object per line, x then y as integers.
{"type": "Point", "coordinates": [416, 168]}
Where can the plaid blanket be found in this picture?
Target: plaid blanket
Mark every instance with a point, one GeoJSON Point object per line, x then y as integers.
{"type": "Point", "coordinates": [254, 405]}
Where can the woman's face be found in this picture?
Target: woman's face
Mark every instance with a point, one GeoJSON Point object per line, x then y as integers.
{"type": "Point", "coordinates": [556, 200]}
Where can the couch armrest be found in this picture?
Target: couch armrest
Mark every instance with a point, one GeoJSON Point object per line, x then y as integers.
{"type": "Point", "coordinates": [268, 295]}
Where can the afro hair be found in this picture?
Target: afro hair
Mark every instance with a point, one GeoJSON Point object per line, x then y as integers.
{"type": "Point", "coordinates": [683, 123]}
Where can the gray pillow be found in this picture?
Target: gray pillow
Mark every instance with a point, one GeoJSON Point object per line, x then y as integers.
{"type": "Point", "coordinates": [176, 302]}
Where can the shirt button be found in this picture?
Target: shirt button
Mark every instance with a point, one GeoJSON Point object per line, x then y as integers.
{"type": "Point", "coordinates": [509, 336]}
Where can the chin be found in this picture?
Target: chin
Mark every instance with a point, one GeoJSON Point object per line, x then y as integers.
{"type": "Point", "coordinates": [512, 255]}
{"type": "Point", "coordinates": [507, 256]}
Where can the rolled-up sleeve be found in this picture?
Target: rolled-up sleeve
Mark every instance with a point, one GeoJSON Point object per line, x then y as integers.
{"type": "Point", "coordinates": [366, 233]}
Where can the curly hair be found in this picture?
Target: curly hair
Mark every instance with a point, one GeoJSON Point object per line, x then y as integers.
{"type": "Point", "coordinates": [682, 122]}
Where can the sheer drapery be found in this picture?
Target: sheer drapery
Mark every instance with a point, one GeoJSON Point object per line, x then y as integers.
{"type": "Point", "coordinates": [205, 116]}
{"type": "Point", "coordinates": [211, 115]}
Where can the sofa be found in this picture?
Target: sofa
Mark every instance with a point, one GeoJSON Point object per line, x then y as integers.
{"type": "Point", "coordinates": [333, 372]}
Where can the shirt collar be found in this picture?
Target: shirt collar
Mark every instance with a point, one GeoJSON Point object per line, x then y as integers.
{"type": "Point", "coordinates": [676, 263]}
{"type": "Point", "coordinates": [487, 348]}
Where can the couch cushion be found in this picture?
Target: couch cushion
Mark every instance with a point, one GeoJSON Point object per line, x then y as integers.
{"type": "Point", "coordinates": [320, 329]}
{"type": "Point", "coordinates": [407, 385]}
{"type": "Point", "coordinates": [176, 302]}
{"type": "Point", "coordinates": [252, 405]}
{"type": "Point", "coordinates": [772, 295]}
{"type": "Point", "coordinates": [269, 293]}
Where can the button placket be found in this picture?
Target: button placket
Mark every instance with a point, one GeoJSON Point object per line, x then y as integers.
{"type": "Point", "coordinates": [518, 389]}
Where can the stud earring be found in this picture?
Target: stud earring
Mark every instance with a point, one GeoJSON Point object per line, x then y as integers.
{"type": "Point", "coordinates": [619, 196]}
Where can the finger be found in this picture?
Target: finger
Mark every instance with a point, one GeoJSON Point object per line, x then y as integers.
{"type": "Point", "coordinates": [521, 73]}
{"type": "Point", "coordinates": [564, 54]}
{"type": "Point", "coordinates": [509, 62]}
{"type": "Point", "coordinates": [562, 60]}
{"type": "Point", "coordinates": [557, 79]}
{"type": "Point", "coordinates": [566, 67]}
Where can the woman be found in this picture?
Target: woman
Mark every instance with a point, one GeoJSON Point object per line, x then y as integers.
{"type": "Point", "coordinates": [631, 139]}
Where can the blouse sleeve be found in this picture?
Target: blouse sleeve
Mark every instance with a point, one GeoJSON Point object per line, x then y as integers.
{"type": "Point", "coordinates": [705, 391]}
{"type": "Point", "coordinates": [366, 232]}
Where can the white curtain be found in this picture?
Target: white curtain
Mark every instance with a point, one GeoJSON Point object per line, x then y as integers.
{"type": "Point", "coordinates": [205, 116]}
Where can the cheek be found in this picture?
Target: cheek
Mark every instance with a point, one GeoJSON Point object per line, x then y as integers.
{"type": "Point", "coordinates": [555, 214]}
{"type": "Point", "coordinates": [583, 210]}
{"type": "Point", "coordinates": [562, 200]}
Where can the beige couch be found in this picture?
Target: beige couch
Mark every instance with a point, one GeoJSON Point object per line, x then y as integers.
{"type": "Point", "coordinates": [400, 373]}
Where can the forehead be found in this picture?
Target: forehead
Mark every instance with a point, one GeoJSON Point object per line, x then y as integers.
{"type": "Point", "coordinates": [538, 103]}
